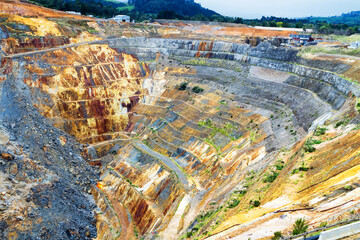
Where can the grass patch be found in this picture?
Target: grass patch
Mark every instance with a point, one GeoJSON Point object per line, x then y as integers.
{"type": "Point", "coordinates": [226, 130]}
{"type": "Point", "coordinates": [128, 7]}
{"type": "Point", "coordinates": [348, 39]}
{"type": "Point", "coordinates": [331, 50]}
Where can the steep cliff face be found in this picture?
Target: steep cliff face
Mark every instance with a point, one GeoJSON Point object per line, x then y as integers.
{"type": "Point", "coordinates": [91, 89]}
{"type": "Point", "coordinates": [45, 182]}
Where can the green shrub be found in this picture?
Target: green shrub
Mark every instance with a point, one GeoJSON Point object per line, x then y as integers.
{"type": "Point", "coordinates": [233, 203]}
{"type": "Point", "coordinates": [197, 89]}
{"type": "Point", "coordinates": [271, 177]}
{"type": "Point", "coordinates": [279, 166]}
{"type": "Point", "coordinates": [241, 192]}
{"type": "Point", "coordinates": [308, 145]}
{"type": "Point", "coordinates": [348, 187]}
{"type": "Point", "coordinates": [223, 102]}
{"type": "Point", "coordinates": [182, 86]}
{"type": "Point", "coordinates": [300, 169]}
{"type": "Point", "coordinates": [320, 131]}
{"type": "Point", "coordinates": [256, 203]}
{"type": "Point", "coordinates": [323, 224]}
{"type": "Point", "coordinates": [300, 226]}
{"type": "Point", "coordinates": [203, 217]}
{"type": "Point", "coordinates": [303, 169]}
{"type": "Point", "coordinates": [314, 142]}
{"type": "Point", "coordinates": [338, 124]}
{"type": "Point", "coordinates": [309, 148]}
{"type": "Point", "coordinates": [277, 236]}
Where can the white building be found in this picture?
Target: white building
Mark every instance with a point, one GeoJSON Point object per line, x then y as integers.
{"type": "Point", "coordinates": [72, 12]}
{"type": "Point", "coordinates": [355, 45]}
{"type": "Point", "coordinates": [121, 18]}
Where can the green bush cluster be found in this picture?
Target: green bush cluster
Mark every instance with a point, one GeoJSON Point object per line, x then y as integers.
{"type": "Point", "coordinates": [233, 203]}
{"type": "Point", "coordinates": [300, 226]}
{"type": "Point", "coordinates": [270, 177]}
{"type": "Point", "coordinates": [277, 236]}
{"type": "Point", "coordinates": [320, 131]}
{"type": "Point", "coordinates": [255, 203]}
{"type": "Point", "coordinates": [303, 168]}
{"type": "Point", "coordinates": [308, 147]}
{"type": "Point", "coordinates": [197, 89]}
{"type": "Point", "coordinates": [183, 86]}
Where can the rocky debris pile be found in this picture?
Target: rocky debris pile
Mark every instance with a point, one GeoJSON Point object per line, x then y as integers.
{"type": "Point", "coordinates": [46, 183]}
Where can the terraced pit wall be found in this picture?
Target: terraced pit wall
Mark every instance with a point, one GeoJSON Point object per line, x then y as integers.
{"type": "Point", "coordinates": [168, 153]}
{"type": "Point", "coordinates": [329, 86]}
{"type": "Point", "coordinates": [265, 55]}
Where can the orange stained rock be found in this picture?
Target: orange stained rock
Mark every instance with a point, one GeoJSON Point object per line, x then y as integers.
{"type": "Point", "coordinates": [240, 31]}
{"type": "Point", "coordinates": [6, 65]}
{"type": "Point", "coordinates": [343, 153]}
{"type": "Point", "coordinates": [94, 25]}
{"type": "Point", "coordinates": [100, 185]}
{"type": "Point", "coordinates": [248, 158]}
{"type": "Point", "coordinates": [39, 26]}
{"type": "Point", "coordinates": [35, 69]}
{"type": "Point", "coordinates": [62, 140]}
{"type": "Point", "coordinates": [168, 31]}
{"type": "Point", "coordinates": [176, 70]}
{"type": "Point", "coordinates": [7, 156]}
{"type": "Point", "coordinates": [142, 211]}
{"type": "Point", "coordinates": [92, 89]}
{"type": "Point", "coordinates": [109, 219]}
{"type": "Point", "coordinates": [16, 7]}
{"type": "Point", "coordinates": [240, 218]}
{"type": "Point", "coordinates": [353, 73]}
{"type": "Point", "coordinates": [84, 37]}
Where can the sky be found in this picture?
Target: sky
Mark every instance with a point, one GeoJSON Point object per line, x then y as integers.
{"type": "Point", "coordinates": [280, 8]}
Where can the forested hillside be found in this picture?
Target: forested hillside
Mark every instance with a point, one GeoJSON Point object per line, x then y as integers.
{"type": "Point", "coordinates": [351, 19]}
{"type": "Point", "coordinates": [137, 9]}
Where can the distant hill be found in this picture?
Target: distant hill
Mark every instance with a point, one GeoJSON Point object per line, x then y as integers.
{"type": "Point", "coordinates": [138, 9]}
{"type": "Point", "coordinates": [351, 19]}
{"type": "Point", "coordinates": [182, 7]}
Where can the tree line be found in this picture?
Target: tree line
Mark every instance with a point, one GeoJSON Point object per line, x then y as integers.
{"type": "Point", "coordinates": [170, 9]}
{"type": "Point", "coordinates": [322, 27]}
{"type": "Point", "coordinates": [103, 9]}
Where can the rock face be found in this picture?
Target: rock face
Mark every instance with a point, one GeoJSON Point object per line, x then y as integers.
{"type": "Point", "coordinates": [55, 203]}
{"type": "Point", "coordinates": [139, 137]}
{"type": "Point", "coordinates": [91, 89]}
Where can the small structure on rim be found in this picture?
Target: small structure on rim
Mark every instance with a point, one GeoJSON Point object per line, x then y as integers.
{"type": "Point", "coordinates": [355, 45]}
{"type": "Point", "coordinates": [121, 18]}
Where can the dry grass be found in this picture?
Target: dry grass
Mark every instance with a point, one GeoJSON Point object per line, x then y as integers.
{"type": "Point", "coordinates": [347, 39]}
{"type": "Point", "coordinates": [331, 50]}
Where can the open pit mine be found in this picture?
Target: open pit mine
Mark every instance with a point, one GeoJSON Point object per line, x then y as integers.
{"type": "Point", "coordinates": [170, 130]}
